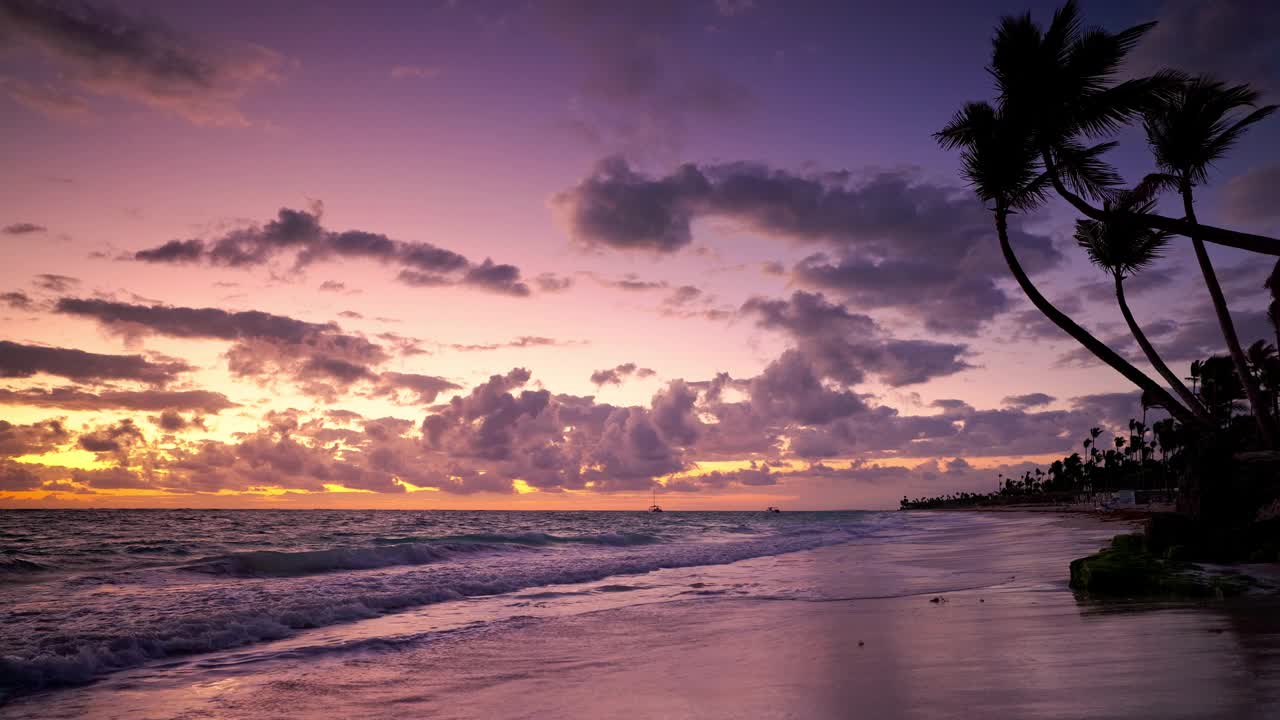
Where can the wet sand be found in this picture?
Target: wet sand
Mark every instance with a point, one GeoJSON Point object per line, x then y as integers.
{"type": "Point", "coordinates": [849, 631]}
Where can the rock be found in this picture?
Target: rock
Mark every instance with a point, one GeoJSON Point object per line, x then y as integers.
{"type": "Point", "coordinates": [1123, 571]}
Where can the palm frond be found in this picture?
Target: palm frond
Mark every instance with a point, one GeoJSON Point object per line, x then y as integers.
{"type": "Point", "coordinates": [1084, 170]}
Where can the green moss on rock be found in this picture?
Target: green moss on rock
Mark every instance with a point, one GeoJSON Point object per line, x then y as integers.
{"type": "Point", "coordinates": [1125, 569]}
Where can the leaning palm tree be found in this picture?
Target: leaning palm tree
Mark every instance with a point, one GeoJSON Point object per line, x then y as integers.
{"type": "Point", "coordinates": [1000, 161]}
{"type": "Point", "coordinates": [1123, 248]}
{"type": "Point", "coordinates": [1060, 80]}
{"type": "Point", "coordinates": [1188, 132]}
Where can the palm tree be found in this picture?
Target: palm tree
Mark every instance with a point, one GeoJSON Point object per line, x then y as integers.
{"type": "Point", "coordinates": [1196, 370]}
{"type": "Point", "coordinates": [1060, 81]}
{"type": "Point", "coordinates": [1190, 130]}
{"type": "Point", "coordinates": [999, 160]}
{"type": "Point", "coordinates": [1123, 248]}
{"type": "Point", "coordinates": [1273, 308]}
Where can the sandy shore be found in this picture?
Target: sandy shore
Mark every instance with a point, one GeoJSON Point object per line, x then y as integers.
{"type": "Point", "coordinates": [972, 619]}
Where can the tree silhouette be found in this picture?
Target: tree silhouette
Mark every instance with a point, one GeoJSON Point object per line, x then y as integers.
{"type": "Point", "coordinates": [1123, 247]}
{"type": "Point", "coordinates": [1188, 130]}
{"type": "Point", "coordinates": [1060, 81]}
{"type": "Point", "coordinates": [999, 160]}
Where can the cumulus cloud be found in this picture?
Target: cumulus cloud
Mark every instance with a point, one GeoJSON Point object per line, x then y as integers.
{"type": "Point", "coordinates": [847, 347]}
{"type": "Point", "coordinates": [616, 375]}
{"type": "Point", "coordinates": [300, 233]}
{"type": "Point", "coordinates": [891, 241]}
{"type": "Point", "coordinates": [22, 361]}
{"type": "Point", "coordinates": [102, 51]}
{"type": "Point", "coordinates": [33, 439]}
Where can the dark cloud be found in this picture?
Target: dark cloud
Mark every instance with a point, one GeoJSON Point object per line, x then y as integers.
{"type": "Point", "coordinates": [55, 283]}
{"type": "Point", "coordinates": [682, 295]}
{"type": "Point", "coordinates": [1235, 40]}
{"type": "Point", "coordinates": [21, 361]}
{"type": "Point", "coordinates": [23, 228]}
{"type": "Point", "coordinates": [616, 375]}
{"type": "Point", "coordinates": [174, 421]}
{"type": "Point", "coordinates": [1254, 197]}
{"type": "Point", "coordinates": [174, 251]}
{"type": "Point", "coordinates": [300, 233]}
{"type": "Point", "coordinates": [1029, 400]}
{"type": "Point", "coordinates": [332, 286]}
{"type": "Point", "coordinates": [845, 346]}
{"type": "Point", "coordinates": [69, 398]}
{"type": "Point", "coordinates": [893, 241]}
{"type": "Point", "coordinates": [629, 282]}
{"type": "Point", "coordinates": [34, 439]}
{"type": "Point", "coordinates": [103, 51]}
{"type": "Point", "coordinates": [497, 278]}
{"type": "Point", "coordinates": [112, 439]}
{"type": "Point", "coordinates": [320, 358]}
{"type": "Point", "coordinates": [17, 300]}
{"type": "Point", "coordinates": [422, 389]}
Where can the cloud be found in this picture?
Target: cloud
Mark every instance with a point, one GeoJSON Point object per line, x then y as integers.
{"type": "Point", "coordinates": [23, 361]}
{"type": "Point", "coordinates": [46, 98]}
{"type": "Point", "coordinates": [34, 439]}
{"type": "Point", "coordinates": [415, 72]}
{"type": "Point", "coordinates": [105, 52]}
{"type": "Point", "coordinates": [616, 375]}
{"type": "Point", "coordinates": [1235, 40]}
{"type": "Point", "coordinates": [17, 300]}
{"type": "Point", "coordinates": [423, 389]}
{"type": "Point", "coordinates": [847, 347]}
{"type": "Point", "coordinates": [892, 241]}
{"type": "Point", "coordinates": [524, 341]}
{"type": "Point", "coordinates": [551, 282]}
{"type": "Point", "coordinates": [55, 283]}
{"type": "Point", "coordinates": [1029, 400]}
{"type": "Point", "coordinates": [23, 228]}
{"type": "Point", "coordinates": [300, 233]}
{"type": "Point", "coordinates": [1254, 197]}
{"type": "Point", "coordinates": [642, 87]}
{"type": "Point", "coordinates": [68, 398]}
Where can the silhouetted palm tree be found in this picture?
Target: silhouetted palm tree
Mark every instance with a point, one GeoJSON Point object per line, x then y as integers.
{"type": "Point", "coordinates": [1273, 308]}
{"type": "Point", "coordinates": [1060, 82]}
{"type": "Point", "coordinates": [999, 160]}
{"type": "Point", "coordinates": [1122, 248]}
{"type": "Point", "coordinates": [1191, 129]}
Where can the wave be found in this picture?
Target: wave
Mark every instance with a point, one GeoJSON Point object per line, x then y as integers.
{"type": "Point", "coordinates": [83, 657]}
{"type": "Point", "coordinates": [21, 566]}
{"type": "Point", "coordinates": [390, 552]}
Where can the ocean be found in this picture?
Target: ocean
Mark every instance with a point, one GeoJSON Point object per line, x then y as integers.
{"type": "Point", "coordinates": [95, 591]}
{"type": "Point", "coordinates": [249, 615]}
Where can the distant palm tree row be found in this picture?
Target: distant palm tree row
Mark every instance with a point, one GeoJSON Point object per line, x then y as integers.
{"type": "Point", "coordinates": [1149, 458]}
{"type": "Point", "coordinates": [1057, 101]}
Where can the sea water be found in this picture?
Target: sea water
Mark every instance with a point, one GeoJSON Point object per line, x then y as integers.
{"type": "Point", "coordinates": [88, 593]}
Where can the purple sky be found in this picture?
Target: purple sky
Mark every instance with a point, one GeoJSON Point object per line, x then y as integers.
{"type": "Point", "coordinates": [553, 254]}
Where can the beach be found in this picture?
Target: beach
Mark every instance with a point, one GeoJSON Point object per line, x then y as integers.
{"type": "Point", "coordinates": [936, 615]}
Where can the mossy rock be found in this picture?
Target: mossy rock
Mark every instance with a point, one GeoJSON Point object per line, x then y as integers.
{"type": "Point", "coordinates": [1124, 573]}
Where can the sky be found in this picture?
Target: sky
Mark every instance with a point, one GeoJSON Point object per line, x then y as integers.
{"type": "Point", "coordinates": [557, 254]}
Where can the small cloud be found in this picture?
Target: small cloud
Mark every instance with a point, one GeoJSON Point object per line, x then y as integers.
{"type": "Point", "coordinates": [55, 283]}
{"type": "Point", "coordinates": [23, 228]}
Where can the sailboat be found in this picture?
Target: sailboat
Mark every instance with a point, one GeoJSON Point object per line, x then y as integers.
{"type": "Point", "coordinates": [654, 507]}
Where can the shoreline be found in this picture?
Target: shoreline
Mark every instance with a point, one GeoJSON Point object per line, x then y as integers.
{"type": "Point", "coordinates": [923, 625]}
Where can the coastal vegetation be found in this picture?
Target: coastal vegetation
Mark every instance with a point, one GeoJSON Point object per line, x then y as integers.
{"type": "Point", "coordinates": [1059, 103]}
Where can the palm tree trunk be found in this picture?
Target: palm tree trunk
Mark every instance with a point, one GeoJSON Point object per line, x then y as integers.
{"type": "Point", "coordinates": [1261, 413]}
{"type": "Point", "coordinates": [1082, 336]}
{"type": "Point", "coordinates": [1192, 402]}
{"type": "Point", "coordinates": [1185, 226]}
